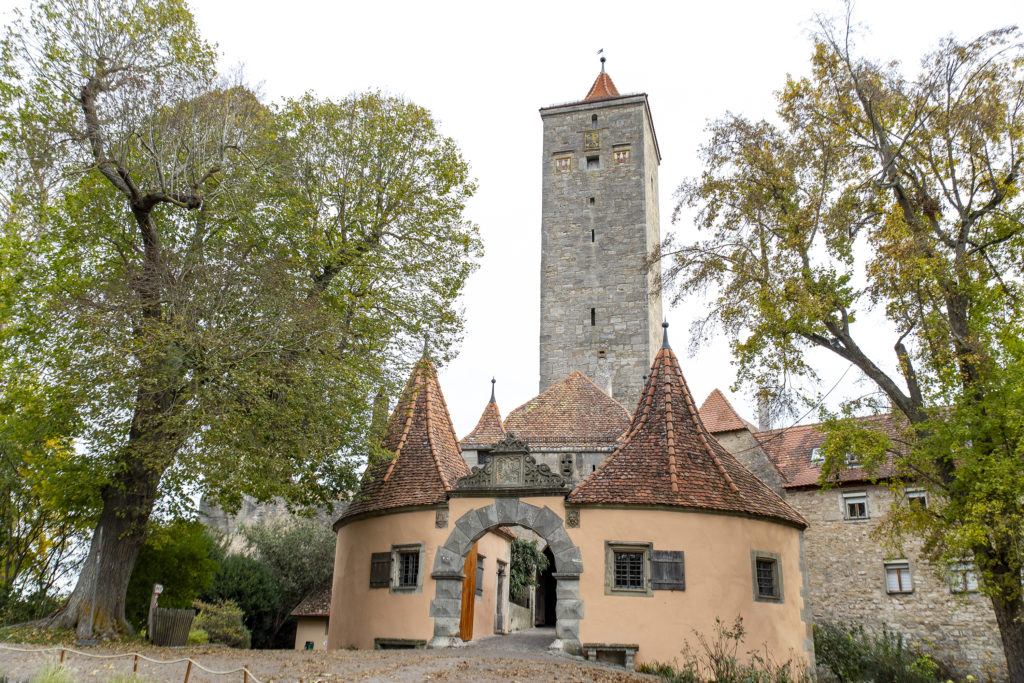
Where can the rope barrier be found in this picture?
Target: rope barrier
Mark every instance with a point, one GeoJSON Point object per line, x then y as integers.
{"type": "Point", "coordinates": [246, 674]}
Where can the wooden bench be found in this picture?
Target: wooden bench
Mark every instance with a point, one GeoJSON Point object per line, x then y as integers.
{"type": "Point", "coordinates": [621, 654]}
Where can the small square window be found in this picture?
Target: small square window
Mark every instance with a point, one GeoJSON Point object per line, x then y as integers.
{"type": "Point", "coordinates": [897, 577]}
{"type": "Point", "coordinates": [817, 456]}
{"type": "Point", "coordinates": [591, 201]}
{"type": "Point", "coordinates": [593, 163]}
{"type": "Point", "coordinates": [407, 568]}
{"type": "Point", "coordinates": [963, 577]}
{"type": "Point", "coordinates": [627, 568]}
{"type": "Point", "coordinates": [766, 569]}
{"type": "Point", "coordinates": [855, 505]}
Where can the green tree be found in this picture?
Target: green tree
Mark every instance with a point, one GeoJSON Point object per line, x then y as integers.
{"type": "Point", "coordinates": [526, 561]}
{"type": "Point", "coordinates": [299, 552]}
{"type": "Point", "coordinates": [222, 286]}
{"type": "Point", "coordinates": [252, 586]}
{"type": "Point", "coordinates": [180, 556]}
{"type": "Point", "coordinates": [900, 198]}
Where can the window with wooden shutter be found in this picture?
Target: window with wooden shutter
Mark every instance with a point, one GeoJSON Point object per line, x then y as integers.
{"type": "Point", "coordinates": [668, 572]}
{"type": "Point", "coordinates": [380, 570]}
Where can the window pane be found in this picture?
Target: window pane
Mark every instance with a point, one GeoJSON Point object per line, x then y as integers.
{"type": "Point", "coordinates": [897, 578]}
{"type": "Point", "coordinates": [629, 570]}
{"type": "Point", "coordinates": [766, 578]}
{"type": "Point", "coordinates": [408, 569]}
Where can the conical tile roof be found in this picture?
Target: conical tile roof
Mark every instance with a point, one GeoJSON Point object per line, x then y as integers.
{"type": "Point", "coordinates": [668, 458]}
{"type": "Point", "coordinates": [488, 430]}
{"type": "Point", "coordinates": [718, 415]}
{"type": "Point", "coordinates": [574, 412]}
{"type": "Point", "coordinates": [602, 88]}
{"type": "Point", "coordinates": [426, 459]}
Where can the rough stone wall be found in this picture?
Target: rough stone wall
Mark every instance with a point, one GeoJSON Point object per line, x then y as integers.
{"type": "Point", "coordinates": [846, 572]}
{"type": "Point", "coordinates": [251, 512]}
{"type": "Point", "coordinates": [742, 444]}
{"type": "Point", "coordinates": [598, 226]}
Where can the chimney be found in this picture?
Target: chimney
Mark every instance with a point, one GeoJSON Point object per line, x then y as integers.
{"type": "Point", "coordinates": [764, 410]}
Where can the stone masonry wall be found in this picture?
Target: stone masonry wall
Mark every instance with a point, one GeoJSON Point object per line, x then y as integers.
{"type": "Point", "coordinates": [598, 227]}
{"type": "Point", "coordinates": [846, 570]}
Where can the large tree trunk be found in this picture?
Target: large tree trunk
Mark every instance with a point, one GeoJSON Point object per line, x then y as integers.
{"type": "Point", "coordinates": [127, 503]}
{"type": "Point", "coordinates": [1010, 617]}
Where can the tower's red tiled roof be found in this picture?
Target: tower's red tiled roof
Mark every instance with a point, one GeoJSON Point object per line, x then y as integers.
{"type": "Point", "coordinates": [718, 415]}
{"type": "Point", "coordinates": [668, 458]}
{"type": "Point", "coordinates": [317, 603]}
{"type": "Point", "coordinates": [427, 460]}
{"type": "Point", "coordinates": [488, 430]}
{"type": "Point", "coordinates": [790, 450]}
{"type": "Point", "coordinates": [573, 412]}
{"type": "Point", "coordinates": [602, 88]}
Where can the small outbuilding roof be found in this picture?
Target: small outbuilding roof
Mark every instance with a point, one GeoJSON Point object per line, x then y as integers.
{"type": "Point", "coordinates": [317, 603]}
{"type": "Point", "coordinates": [426, 459]}
{"type": "Point", "coordinates": [572, 413]}
{"type": "Point", "coordinates": [669, 458]}
{"type": "Point", "coordinates": [718, 415]}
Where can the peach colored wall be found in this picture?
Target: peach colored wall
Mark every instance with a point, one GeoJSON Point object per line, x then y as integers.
{"type": "Point", "coordinates": [311, 629]}
{"type": "Point", "coordinates": [362, 613]}
{"type": "Point", "coordinates": [718, 583]}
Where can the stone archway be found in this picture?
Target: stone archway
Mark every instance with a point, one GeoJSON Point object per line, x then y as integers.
{"type": "Point", "coordinates": [445, 608]}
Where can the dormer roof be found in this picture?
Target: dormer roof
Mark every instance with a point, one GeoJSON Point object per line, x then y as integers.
{"type": "Point", "coordinates": [425, 461]}
{"type": "Point", "coordinates": [572, 413]}
{"type": "Point", "coordinates": [488, 430]}
{"type": "Point", "coordinates": [718, 415]}
{"type": "Point", "coordinates": [668, 458]}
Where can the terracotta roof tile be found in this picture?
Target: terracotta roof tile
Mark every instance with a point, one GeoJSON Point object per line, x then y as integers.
{"type": "Point", "coordinates": [317, 603]}
{"type": "Point", "coordinates": [427, 459]}
{"type": "Point", "coordinates": [790, 449]}
{"type": "Point", "coordinates": [668, 458]}
{"type": "Point", "coordinates": [718, 415]}
{"type": "Point", "coordinates": [488, 430]}
{"type": "Point", "coordinates": [603, 88]}
{"type": "Point", "coordinates": [573, 412]}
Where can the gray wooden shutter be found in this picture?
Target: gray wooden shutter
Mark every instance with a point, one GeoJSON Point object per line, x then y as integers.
{"type": "Point", "coordinates": [668, 572]}
{"type": "Point", "coordinates": [380, 570]}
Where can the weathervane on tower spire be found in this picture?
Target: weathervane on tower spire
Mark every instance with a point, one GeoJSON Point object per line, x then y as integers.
{"type": "Point", "coordinates": [601, 52]}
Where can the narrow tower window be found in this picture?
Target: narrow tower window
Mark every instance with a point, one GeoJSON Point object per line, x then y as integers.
{"type": "Point", "coordinates": [593, 317]}
{"type": "Point", "coordinates": [593, 163]}
{"type": "Point", "coordinates": [591, 201]}
{"type": "Point", "coordinates": [591, 235]}
{"type": "Point", "coordinates": [593, 121]}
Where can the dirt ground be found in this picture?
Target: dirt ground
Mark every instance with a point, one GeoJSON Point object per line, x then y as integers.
{"type": "Point", "coordinates": [498, 659]}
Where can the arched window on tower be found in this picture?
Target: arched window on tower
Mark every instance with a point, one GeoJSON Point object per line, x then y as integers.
{"type": "Point", "coordinates": [593, 121]}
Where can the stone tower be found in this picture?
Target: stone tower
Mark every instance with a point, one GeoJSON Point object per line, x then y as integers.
{"type": "Point", "coordinates": [599, 302]}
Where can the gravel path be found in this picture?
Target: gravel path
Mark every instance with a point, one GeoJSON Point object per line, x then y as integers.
{"type": "Point", "coordinates": [498, 659]}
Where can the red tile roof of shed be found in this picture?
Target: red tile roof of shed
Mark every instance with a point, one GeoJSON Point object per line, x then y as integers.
{"type": "Point", "coordinates": [317, 603]}
{"type": "Point", "coordinates": [668, 458]}
{"type": "Point", "coordinates": [427, 459]}
{"type": "Point", "coordinates": [719, 416]}
{"type": "Point", "coordinates": [488, 430]}
{"type": "Point", "coordinates": [573, 412]}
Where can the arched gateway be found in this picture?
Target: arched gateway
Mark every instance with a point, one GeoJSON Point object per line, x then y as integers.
{"type": "Point", "coordinates": [447, 573]}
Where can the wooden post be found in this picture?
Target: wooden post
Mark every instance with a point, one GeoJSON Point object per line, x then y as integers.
{"type": "Point", "coordinates": [62, 655]}
{"type": "Point", "coordinates": [245, 674]}
{"type": "Point", "coordinates": [135, 669]}
{"type": "Point", "coordinates": [188, 671]}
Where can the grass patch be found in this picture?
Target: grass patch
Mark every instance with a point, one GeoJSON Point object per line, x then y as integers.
{"type": "Point", "coordinates": [52, 674]}
{"type": "Point", "coordinates": [36, 635]}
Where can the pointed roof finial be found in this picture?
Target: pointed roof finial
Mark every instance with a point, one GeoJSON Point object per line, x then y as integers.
{"type": "Point", "coordinates": [664, 339]}
{"type": "Point", "coordinates": [492, 389]}
{"type": "Point", "coordinates": [601, 52]}
{"type": "Point", "coordinates": [426, 344]}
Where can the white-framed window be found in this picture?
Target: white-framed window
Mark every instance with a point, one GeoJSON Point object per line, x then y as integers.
{"type": "Point", "coordinates": [407, 568]}
{"type": "Point", "coordinates": [897, 577]}
{"type": "Point", "coordinates": [855, 505]}
{"type": "Point", "coordinates": [963, 577]}
{"type": "Point", "coordinates": [817, 456]}
{"type": "Point", "coordinates": [917, 497]}
{"type": "Point", "coordinates": [851, 459]}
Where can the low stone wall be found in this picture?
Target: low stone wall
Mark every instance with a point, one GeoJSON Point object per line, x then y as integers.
{"type": "Point", "coordinates": [520, 618]}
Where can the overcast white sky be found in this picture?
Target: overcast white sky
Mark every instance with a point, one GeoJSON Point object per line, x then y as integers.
{"type": "Point", "coordinates": [485, 68]}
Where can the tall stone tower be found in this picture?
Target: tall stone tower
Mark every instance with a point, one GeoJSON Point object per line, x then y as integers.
{"type": "Point", "coordinates": [600, 311]}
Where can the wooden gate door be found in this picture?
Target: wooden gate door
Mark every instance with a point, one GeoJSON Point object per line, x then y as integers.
{"type": "Point", "coordinates": [468, 596]}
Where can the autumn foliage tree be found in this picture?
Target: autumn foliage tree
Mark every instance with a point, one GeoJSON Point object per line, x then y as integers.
{"type": "Point", "coordinates": [879, 197]}
{"type": "Point", "coordinates": [222, 286]}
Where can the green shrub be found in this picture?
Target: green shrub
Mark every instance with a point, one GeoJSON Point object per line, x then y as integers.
{"type": "Point", "coordinates": [848, 654]}
{"type": "Point", "coordinates": [52, 674]}
{"type": "Point", "coordinates": [198, 636]}
{"type": "Point", "coordinates": [222, 621]}
{"type": "Point", "coordinates": [252, 586]}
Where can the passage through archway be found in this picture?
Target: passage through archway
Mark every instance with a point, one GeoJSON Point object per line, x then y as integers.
{"type": "Point", "coordinates": [449, 562]}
